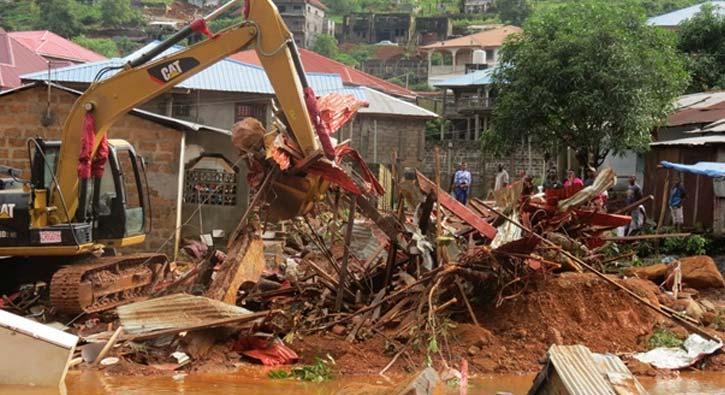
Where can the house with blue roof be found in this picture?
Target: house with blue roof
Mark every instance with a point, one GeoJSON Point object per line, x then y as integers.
{"type": "Point", "coordinates": [673, 19]}
{"type": "Point", "coordinates": [466, 102]}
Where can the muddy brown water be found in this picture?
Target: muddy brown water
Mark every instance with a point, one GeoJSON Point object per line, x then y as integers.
{"type": "Point", "coordinates": [94, 383]}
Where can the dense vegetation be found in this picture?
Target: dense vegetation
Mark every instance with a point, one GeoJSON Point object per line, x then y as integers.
{"type": "Point", "coordinates": [73, 19]}
{"type": "Point", "coordinates": [702, 39]}
{"type": "Point", "coordinates": [591, 76]}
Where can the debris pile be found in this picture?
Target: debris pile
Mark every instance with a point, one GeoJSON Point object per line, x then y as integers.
{"type": "Point", "coordinates": [429, 282]}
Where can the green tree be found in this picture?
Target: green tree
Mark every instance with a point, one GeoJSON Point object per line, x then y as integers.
{"type": "Point", "coordinates": [702, 39]}
{"type": "Point", "coordinates": [513, 12]}
{"type": "Point", "coordinates": [20, 15]}
{"type": "Point", "coordinates": [590, 75]}
{"type": "Point", "coordinates": [118, 13]}
{"type": "Point", "coordinates": [104, 46]}
{"type": "Point", "coordinates": [341, 7]}
{"type": "Point", "coordinates": [326, 45]}
{"type": "Point", "coordinates": [126, 46]}
{"type": "Point", "coordinates": [61, 17]}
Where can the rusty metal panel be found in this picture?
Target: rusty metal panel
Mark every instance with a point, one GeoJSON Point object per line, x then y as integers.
{"type": "Point", "coordinates": [577, 369]}
{"type": "Point", "coordinates": [607, 364]}
{"type": "Point", "coordinates": [175, 311]}
{"type": "Point", "coordinates": [461, 211]}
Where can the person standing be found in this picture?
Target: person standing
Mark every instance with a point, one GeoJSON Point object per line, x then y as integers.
{"type": "Point", "coordinates": [634, 194]}
{"type": "Point", "coordinates": [552, 180]}
{"type": "Point", "coordinates": [677, 197]}
{"type": "Point", "coordinates": [572, 180]}
{"type": "Point", "coordinates": [502, 178]}
{"type": "Point", "coordinates": [591, 176]}
{"type": "Point", "coordinates": [462, 183]}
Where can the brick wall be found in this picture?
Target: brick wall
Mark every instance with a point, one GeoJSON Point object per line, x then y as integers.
{"type": "Point", "coordinates": [404, 134]}
{"type": "Point", "coordinates": [482, 166]}
{"type": "Point", "coordinates": [20, 119]}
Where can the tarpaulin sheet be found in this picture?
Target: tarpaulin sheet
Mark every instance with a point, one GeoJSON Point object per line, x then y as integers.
{"type": "Point", "coordinates": [710, 169]}
{"type": "Point", "coordinates": [694, 348]}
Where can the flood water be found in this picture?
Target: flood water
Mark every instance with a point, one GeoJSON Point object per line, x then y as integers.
{"type": "Point", "coordinates": [93, 383]}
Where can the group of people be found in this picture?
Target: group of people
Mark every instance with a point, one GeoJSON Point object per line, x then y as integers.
{"type": "Point", "coordinates": [462, 180]}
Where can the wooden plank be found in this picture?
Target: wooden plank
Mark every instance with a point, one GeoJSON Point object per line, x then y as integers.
{"type": "Point", "coordinates": [346, 254]}
{"type": "Point", "coordinates": [244, 265]}
{"type": "Point", "coordinates": [455, 207]}
{"type": "Point", "coordinates": [645, 237]}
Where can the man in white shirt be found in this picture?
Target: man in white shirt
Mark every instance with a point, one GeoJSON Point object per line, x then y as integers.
{"type": "Point", "coordinates": [502, 178]}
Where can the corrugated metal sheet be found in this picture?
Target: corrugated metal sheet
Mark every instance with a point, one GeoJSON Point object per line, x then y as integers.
{"type": "Point", "coordinates": [674, 18]}
{"type": "Point", "coordinates": [715, 127]}
{"type": "Point", "coordinates": [476, 78]}
{"type": "Point", "coordinates": [47, 43]}
{"type": "Point", "coordinates": [583, 373]}
{"type": "Point", "coordinates": [701, 140]}
{"type": "Point", "coordinates": [174, 311]}
{"type": "Point", "coordinates": [224, 76]}
{"type": "Point", "coordinates": [699, 100]}
{"type": "Point", "coordinates": [608, 364]}
{"type": "Point", "coordinates": [577, 369]}
{"type": "Point", "coordinates": [380, 103]}
{"type": "Point", "coordinates": [364, 244]}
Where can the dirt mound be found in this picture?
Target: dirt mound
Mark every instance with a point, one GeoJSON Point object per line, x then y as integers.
{"type": "Point", "coordinates": [568, 309]}
{"type": "Point", "coordinates": [700, 272]}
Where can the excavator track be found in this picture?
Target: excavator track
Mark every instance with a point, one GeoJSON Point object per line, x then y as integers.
{"type": "Point", "coordinates": [106, 282]}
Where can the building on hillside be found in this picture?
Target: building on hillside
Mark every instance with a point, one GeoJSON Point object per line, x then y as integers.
{"type": "Point", "coordinates": [30, 51]}
{"type": "Point", "coordinates": [477, 6]}
{"type": "Point", "coordinates": [673, 19]}
{"type": "Point", "coordinates": [305, 19]}
{"type": "Point", "coordinates": [393, 62]}
{"type": "Point", "coordinates": [458, 53]}
{"type": "Point", "coordinates": [466, 102]}
{"type": "Point", "coordinates": [314, 62]}
{"type": "Point", "coordinates": [163, 142]}
{"type": "Point", "coordinates": [387, 124]}
{"type": "Point", "coordinates": [55, 49]}
{"type": "Point", "coordinates": [398, 28]}
{"type": "Point", "coordinates": [695, 132]}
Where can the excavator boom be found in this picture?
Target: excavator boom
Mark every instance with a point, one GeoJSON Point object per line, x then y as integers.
{"type": "Point", "coordinates": [148, 77]}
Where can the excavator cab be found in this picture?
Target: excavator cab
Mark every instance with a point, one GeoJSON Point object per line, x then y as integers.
{"type": "Point", "coordinates": [114, 207]}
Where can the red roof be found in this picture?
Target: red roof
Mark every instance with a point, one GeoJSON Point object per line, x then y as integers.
{"type": "Point", "coordinates": [697, 115]}
{"type": "Point", "coordinates": [16, 60]}
{"type": "Point", "coordinates": [315, 62]}
{"type": "Point", "coordinates": [50, 45]}
{"type": "Point", "coordinates": [318, 4]}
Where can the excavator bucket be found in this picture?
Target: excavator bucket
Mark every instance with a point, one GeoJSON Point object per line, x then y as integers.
{"type": "Point", "coordinates": [292, 196]}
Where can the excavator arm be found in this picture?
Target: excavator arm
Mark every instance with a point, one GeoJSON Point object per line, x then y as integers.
{"type": "Point", "coordinates": [148, 76]}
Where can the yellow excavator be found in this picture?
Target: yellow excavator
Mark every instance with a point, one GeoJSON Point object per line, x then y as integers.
{"type": "Point", "coordinates": [77, 202]}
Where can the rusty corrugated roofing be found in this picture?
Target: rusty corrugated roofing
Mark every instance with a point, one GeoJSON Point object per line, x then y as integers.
{"type": "Point", "coordinates": [175, 311]}
{"type": "Point", "coordinates": [47, 43]}
{"type": "Point", "coordinates": [581, 372]}
{"type": "Point", "coordinates": [697, 115]}
{"type": "Point", "coordinates": [491, 38]}
{"type": "Point", "coordinates": [16, 59]}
